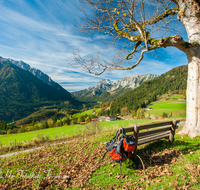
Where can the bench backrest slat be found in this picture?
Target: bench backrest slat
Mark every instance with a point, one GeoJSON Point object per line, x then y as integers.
{"type": "Point", "coordinates": [129, 129]}
{"type": "Point", "coordinates": [159, 130]}
{"type": "Point", "coordinates": [149, 126]}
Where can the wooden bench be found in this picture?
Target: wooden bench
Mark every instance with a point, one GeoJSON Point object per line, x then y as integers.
{"type": "Point", "coordinates": [151, 132]}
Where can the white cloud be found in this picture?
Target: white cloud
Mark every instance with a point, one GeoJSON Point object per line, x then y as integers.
{"type": "Point", "coordinates": [43, 35]}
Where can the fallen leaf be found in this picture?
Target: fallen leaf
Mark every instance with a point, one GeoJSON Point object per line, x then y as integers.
{"type": "Point", "coordinates": [173, 160]}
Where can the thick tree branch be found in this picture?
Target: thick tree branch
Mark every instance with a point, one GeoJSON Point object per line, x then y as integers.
{"type": "Point", "coordinates": [155, 20]}
{"type": "Point", "coordinates": [134, 50]}
{"type": "Point", "coordinates": [175, 41]}
{"type": "Point", "coordinates": [125, 34]}
{"type": "Point", "coordinates": [129, 19]}
{"type": "Point", "coordinates": [162, 16]}
{"type": "Point", "coordinates": [133, 66]}
{"type": "Point", "coordinates": [120, 68]}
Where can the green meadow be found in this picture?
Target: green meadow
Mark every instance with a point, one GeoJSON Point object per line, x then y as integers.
{"type": "Point", "coordinates": [68, 131]}
{"type": "Point", "coordinates": [88, 112]}
{"type": "Point", "coordinates": [176, 107]}
{"type": "Point", "coordinates": [52, 133]}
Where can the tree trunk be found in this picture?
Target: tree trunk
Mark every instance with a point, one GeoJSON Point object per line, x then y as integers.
{"type": "Point", "coordinates": [191, 20]}
{"type": "Point", "coordinates": [192, 125]}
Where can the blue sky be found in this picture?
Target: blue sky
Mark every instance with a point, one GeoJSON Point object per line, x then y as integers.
{"type": "Point", "coordinates": [42, 34]}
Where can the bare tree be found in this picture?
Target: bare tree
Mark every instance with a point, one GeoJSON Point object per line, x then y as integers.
{"type": "Point", "coordinates": [143, 26]}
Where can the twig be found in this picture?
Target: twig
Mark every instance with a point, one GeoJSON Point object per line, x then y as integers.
{"type": "Point", "coordinates": [142, 163]}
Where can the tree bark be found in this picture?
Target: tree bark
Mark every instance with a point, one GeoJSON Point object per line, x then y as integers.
{"type": "Point", "coordinates": [192, 125]}
{"type": "Point", "coordinates": [190, 18]}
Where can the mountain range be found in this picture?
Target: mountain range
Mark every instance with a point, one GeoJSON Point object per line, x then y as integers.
{"type": "Point", "coordinates": [25, 90]}
{"type": "Point", "coordinates": [22, 93]}
{"type": "Point", "coordinates": [106, 90]}
{"type": "Point", "coordinates": [173, 81]}
{"type": "Point", "coordinates": [39, 74]}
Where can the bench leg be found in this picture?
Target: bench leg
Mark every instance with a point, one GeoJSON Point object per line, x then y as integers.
{"type": "Point", "coordinates": [135, 160]}
{"type": "Point", "coordinates": [136, 135]}
{"type": "Point", "coordinates": [135, 152]}
{"type": "Point", "coordinates": [172, 131]}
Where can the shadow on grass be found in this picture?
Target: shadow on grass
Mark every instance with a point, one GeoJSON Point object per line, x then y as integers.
{"type": "Point", "coordinates": [162, 152]}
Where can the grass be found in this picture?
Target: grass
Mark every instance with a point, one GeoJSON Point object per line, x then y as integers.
{"type": "Point", "coordinates": [88, 112]}
{"type": "Point", "coordinates": [67, 131]}
{"type": "Point", "coordinates": [178, 117]}
{"type": "Point", "coordinates": [50, 132]}
{"type": "Point", "coordinates": [76, 166]}
{"type": "Point", "coordinates": [158, 108]}
{"type": "Point", "coordinates": [168, 173]}
{"type": "Point", "coordinates": [176, 107]}
{"type": "Point", "coordinates": [123, 123]}
{"type": "Point", "coordinates": [175, 97]}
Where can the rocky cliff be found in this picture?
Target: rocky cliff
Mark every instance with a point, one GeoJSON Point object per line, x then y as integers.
{"type": "Point", "coordinates": [39, 74]}
{"type": "Point", "coordinates": [104, 88]}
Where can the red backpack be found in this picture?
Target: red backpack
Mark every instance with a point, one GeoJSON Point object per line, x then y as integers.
{"type": "Point", "coordinates": [120, 151]}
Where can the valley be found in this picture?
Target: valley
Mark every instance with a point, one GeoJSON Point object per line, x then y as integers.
{"type": "Point", "coordinates": [35, 105]}
{"type": "Point", "coordinates": [56, 124]}
{"type": "Point", "coordinates": [100, 95]}
{"type": "Point", "coordinates": [34, 134]}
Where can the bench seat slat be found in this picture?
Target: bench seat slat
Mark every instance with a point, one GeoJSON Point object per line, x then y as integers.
{"type": "Point", "coordinates": [153, 138]}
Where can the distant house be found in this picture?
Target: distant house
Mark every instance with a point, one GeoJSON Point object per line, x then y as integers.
{"type": "Point", "coordinates": [109, 118]}
{"type": "Point", "coordinates": [160, 117]}
{"type": "Point", "coordinates": [149, 108]}
{"type": "Point", "coordinates": [94, 120]}
{"type": "Point", "coordinates": [119, 118]}
{"type": "Point", "coordinates": [83, 123]}
{"type": "Point", "coordinates": [152, 117]}
{"type": "Point", "coordinates": [102, 118]}
{"type": "Point", "coordinates": [2, 132]}
{"type": "Point", "coordinates": [93, 111]}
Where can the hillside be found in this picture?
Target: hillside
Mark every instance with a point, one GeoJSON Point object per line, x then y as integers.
{"type": "Point", "coordinates": [76, 165]}
{"type": "Point", "coordinates": [168, 106]}
{"type": "Point", "coordinates": [173, 81]}
{"type": "Point", "coordinates": [106, 90]}
{"type": "Point", "coordinates": [39, 74]}
{"type": "Point", "coordinates": [21, 93]}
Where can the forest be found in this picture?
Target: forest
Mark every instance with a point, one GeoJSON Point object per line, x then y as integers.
{"type": "Point", "coordinates": [173, 81]}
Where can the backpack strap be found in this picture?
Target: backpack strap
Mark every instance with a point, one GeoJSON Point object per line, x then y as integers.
{"type": "Point", "coordinates": [102, 158]}
{"type": "Point", "coordinates": [123, 132]}
{"type": "Point", "coordinates": [120, 167]}
{"type": "Point", "coordinates": [110, 145]}
{"type": "Point", "coordinates": [114, 138]}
